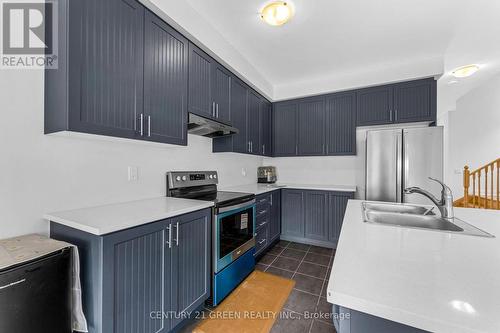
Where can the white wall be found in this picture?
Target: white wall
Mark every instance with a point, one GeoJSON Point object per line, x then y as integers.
{"type": "Point", "coordinates": [42, 173]}
{"type": "Point", "coordinates": [334, 170]}
{"type": "Point", "coordinates": [474, 131]}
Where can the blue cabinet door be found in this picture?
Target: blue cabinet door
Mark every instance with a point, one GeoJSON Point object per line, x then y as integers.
{"type": "Point", "coordinates": [201, 73]}
{"type": "Point", "coordinates": [105, 78]}
{"type": "Point", "coordinates": [285, 129]}
{"type": "Point", "coordinates": [316, 215]}
{"type": "Point", "coordinates": [275, 220]}
{"type": "Point", "coordinates": [337, 204]}
{"type": "Point", "coordinates": [292, 213]}
{"type": "Point", "coordinates": [415, 101]}
{"type": "Point", "coordinates": [135, 281]}
{"type": "Point", "coordinates": [341, 124]}
{"type": "Point", "coordinates": [311, 127]}
{"type": "Point", "coordinates": [375, 106]}
{"type": "Point", "coordinates": [253, 122]}
{"type": "Point", "coordinates": [165, 82]}
{"type": "Point", "coordinates": [265, 128]}
{"type": "Point", "coordinates": [221, 93]}
{"type": "Point", "coordinates": [190, 261]}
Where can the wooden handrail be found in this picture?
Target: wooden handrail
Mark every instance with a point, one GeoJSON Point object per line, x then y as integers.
{"type": "Point", "coordinates": [491, 186]}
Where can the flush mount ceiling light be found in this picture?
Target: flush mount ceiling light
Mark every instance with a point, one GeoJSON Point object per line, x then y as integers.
{"type": "Point", "coordinates": [277, 13]}
{"type": "Point", "coordinates": [465, 71]}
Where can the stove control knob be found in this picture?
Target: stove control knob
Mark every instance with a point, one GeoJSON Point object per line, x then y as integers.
{"type": "Point", "coordinates": [178, 178]}
{"type": "Point", "coordinates": [184, 178]}
{"type": "Point", "coordinates": [210, 176]}
{"type": "Point", "coordinates": [215, 176]}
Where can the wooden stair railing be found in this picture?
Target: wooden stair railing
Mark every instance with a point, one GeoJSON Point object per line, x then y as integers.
{"type": "Point", "coordinates": [487, 175]}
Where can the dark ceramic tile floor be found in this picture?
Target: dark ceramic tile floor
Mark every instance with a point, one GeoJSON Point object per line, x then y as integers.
{"type": "Point", "coordinates": [309, 266]}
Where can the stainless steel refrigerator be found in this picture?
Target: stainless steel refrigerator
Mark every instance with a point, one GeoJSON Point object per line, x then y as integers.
{"type": "Point", "coordinates": [401, 158]}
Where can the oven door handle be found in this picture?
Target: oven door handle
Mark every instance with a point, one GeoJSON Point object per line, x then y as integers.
{"type": "Point", "coordinates": [241, 205]}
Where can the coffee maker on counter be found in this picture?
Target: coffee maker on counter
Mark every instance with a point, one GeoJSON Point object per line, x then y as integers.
{"type": "Point", "coordinates": [267, 175]}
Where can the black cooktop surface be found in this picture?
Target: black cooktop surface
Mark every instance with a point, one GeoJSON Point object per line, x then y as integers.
{"type": "Point", "coordinates": [224, 198]}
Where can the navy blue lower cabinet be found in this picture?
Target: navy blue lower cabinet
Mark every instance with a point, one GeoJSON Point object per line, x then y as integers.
{"type": "Point", "coordinates": [142, 279]}
{"type": "Point", "coordinates": [275, 220]}
{"type": "Point", "coordinates": [292, 213]}
{"type": "Point", "coordinates": [191, 263]}
{"type": "Point", "coordinates": [350, 321]}
{"type": "Point", "coordinates": [313, 217]}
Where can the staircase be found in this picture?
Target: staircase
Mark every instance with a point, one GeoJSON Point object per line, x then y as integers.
{"type": "Point", "coordinates": [481, 187]}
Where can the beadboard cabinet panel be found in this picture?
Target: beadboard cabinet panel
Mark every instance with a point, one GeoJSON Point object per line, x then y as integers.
{"type": "Point", "coordinates": [311, 127]}
{"type": "Point", "coordinates": [341, 124]}
{"type": "Point", "coordinates": [165, 82]}
{"type": "Point", "coordinates": [285, 129]}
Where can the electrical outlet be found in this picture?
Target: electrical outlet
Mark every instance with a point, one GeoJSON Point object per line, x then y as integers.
{"type": "Point", "coordinates": [133, 173]}
{"type": "Point", "coordinates": [243, 172]}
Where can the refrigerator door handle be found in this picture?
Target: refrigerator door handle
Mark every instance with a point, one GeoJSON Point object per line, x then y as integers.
{"type": "Point", "coordinates": [399, 167]}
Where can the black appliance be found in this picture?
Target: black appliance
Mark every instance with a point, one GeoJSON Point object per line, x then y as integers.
{"type": "Point", "coordinates": [233, 227]}
{"type": "Point", "coordinates": [36, 296]}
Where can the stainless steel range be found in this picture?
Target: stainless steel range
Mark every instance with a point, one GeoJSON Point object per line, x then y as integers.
{"type": "Point", "coordinates": [233, 227]}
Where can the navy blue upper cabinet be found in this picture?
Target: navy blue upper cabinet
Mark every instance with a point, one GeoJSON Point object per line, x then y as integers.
{"type": "Point", "coordinates": [97, 90]}
{"type": "Point", "coordinates": [221, 93]}
{"type": "Point", "coordinates": [415, 101]}
{"type": "Point", "coordinates": [209, 86]}
{"type": "Point", "coordinates": [165, 82]}
{"type": "Point", "coordinates": [311, 127]}
{"type": "Point", "coordinates": [285, 128]}
{"type": "Point", "coordinates": [123, 73]}
{"type": "Point", "coordinates": [341, 124]}
{"type": "Point", "coordinates": [375, 106]}
{"type": "Point", "coordinates": [253, 123]}
{"type": "Point", "coordinates": [265, 128]}
{"type": "Point", "coordinates": [201, 74]}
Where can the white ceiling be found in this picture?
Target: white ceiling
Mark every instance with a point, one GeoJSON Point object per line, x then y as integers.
{"type": "Point", "coordinates": [335, 45]}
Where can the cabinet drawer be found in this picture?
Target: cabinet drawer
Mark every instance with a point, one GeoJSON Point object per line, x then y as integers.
{"type": "Point", "coordinates": [262, 220]}
{"type": "Point", "coordinates": [262, 210]}
{"type": "Point", "coordinates": [261, 239]}
{"type": "Point", "coordinates": [263, 200]}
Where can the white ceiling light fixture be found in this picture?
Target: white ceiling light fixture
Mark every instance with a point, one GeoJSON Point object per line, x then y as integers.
{"type": "Point", "coordinates": [277, 13]}
{"type": "Point", "coordinates": [465, 71]}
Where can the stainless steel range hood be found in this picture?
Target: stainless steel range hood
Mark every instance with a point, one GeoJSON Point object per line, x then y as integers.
{"type": "Point", "coordinates": [210, 128]}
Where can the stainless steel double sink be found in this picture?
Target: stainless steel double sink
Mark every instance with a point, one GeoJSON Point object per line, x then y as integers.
{"type": "Point", "coordinates": [419, 217]}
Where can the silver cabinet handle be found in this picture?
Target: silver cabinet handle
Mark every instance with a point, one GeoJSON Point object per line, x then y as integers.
{"type": "Point", "coordinates": [296, 149]}
{"type": "Point", "coordinates": [213, 109]}
{"type": "Point", "coordinates": [262, 211]}
{"type": "Point", "coordinates": [263, 223]}
{"type": "Point", "coordinates": [217, 110]}
{"type": "Point", "coordinates": [262, 241]}
{"type": "Point", "coordinates": [141, 118]}
{"type": "Point", "coordinates": [390, 114]}
{"type": "Point", "coordinates": [12, 284]}
{"type": "Point", "coordinates": [251, 146]}
{"type": "Point", "coordinates": [169, 242]}
{"type": "Point", "coordinates": [271, 196]}
{"type": "Point", "coordinates": [149, 126]}
{"type": "Point", "coordinates": [263, 149]}
{"type": "Point", "coordinates": [177, 234]}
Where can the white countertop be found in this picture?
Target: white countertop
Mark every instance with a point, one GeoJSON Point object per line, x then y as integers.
{"type": "Point", "coordinates": [105, 219]}
{"type": "Point", "coordinates": [435, 281]}
{"type": "Point", "coordinates": [263, 188]}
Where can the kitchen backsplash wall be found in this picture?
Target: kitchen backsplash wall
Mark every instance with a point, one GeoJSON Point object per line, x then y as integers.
{"type": "Point", "coordinates": [335, 170]}
{"type": "Point", "coordinates": [41, 173]}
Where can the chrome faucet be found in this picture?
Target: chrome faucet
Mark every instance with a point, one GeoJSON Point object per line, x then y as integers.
{"type": "Point", "coordinates": [445, 205]}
